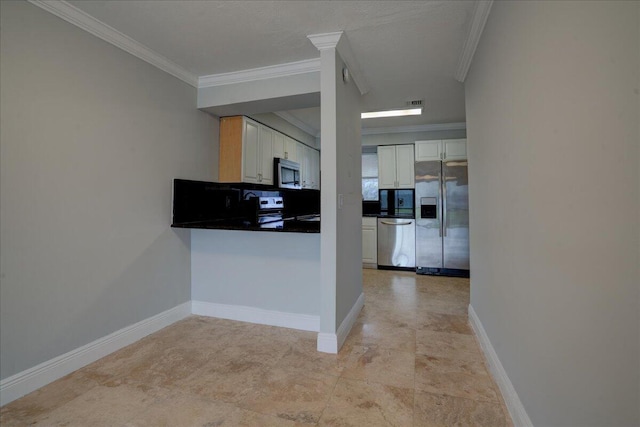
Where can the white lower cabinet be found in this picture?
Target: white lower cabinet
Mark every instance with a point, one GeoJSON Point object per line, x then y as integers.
{"type": "Point", "coordinates": [369, 242]}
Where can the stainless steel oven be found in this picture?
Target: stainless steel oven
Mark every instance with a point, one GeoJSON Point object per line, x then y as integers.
{"type": "Point", "coordinates": [287, 173]}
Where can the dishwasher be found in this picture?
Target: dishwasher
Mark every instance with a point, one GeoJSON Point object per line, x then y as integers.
{"type": "Point", "coordinates": [397, 243]}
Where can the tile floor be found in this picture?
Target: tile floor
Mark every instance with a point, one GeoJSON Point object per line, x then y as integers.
{"type": "Point", "coordinates": [410, 360]}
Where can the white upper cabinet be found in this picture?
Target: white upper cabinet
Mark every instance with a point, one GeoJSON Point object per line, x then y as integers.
{"type": "Point", "coordinates": [251, 152]}
{"type": "Point", "coordinates": [455, 149]}
{"type": "Point", "coordinates": [278, 145]}
{"type": "Point", "coordinates": [266, 155]}
{"type": "Point", "coordinates": [428, 150]}
{"type": "Point", "coordinates": [404, 166]}
{"type": "Point", "coordinates": [290, 149]}
{"type": "Point", "coordinates": [309, 159]}
{"type": "Point", "coordinates": [257, 153]}
{"type": "Point", "coordinates": [447, 149]}
{"type": "Point", "coordinates": [395, 166]}
{"type": "Point", "coordinates": [314, 169]}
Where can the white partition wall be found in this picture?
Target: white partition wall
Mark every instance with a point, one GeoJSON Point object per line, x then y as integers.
{"type": "Point", "coordinates": [341, 207]}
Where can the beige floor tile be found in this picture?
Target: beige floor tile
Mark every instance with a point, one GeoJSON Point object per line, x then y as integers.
{"type": "Point", "coordinates": [290, 395]}
{"type": "Point", "coordinates": [230, 381]}
{"type": "Point", "coordinates": [383, 335]}
{"type": "Point", "coordinates": [100, 406]}
{"type": "Point", "coordinates": [38, 404]}
{"type": "Point", "coordinates": [304, 357]}
{"type": "Point", "coordinates": [454, 377]}
{"type": "Point", "coordinates": [440, 322]}
{"type": "Point", "coordinates": [437, 410]}
{"type": "Point", "coordinates": [358, 403]}
{"type": "Point", "coordinates": [189, 410]}
{"type": "Point", "coordinates": [381, 365]}
{"type": "Point", "coordinates": [453, 346]}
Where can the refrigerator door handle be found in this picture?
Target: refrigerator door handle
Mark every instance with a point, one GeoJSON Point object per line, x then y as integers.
{"type": "Point", "coordinates": [440, 200]}
{"type": "Point", "coordinates": [444, 206]}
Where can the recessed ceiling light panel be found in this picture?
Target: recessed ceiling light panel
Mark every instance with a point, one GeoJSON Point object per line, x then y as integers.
{"type": "Point", "coordinates": [391, 113]}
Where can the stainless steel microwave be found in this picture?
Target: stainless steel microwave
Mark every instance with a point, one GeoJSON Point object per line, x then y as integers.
{"type": "Point", "coordinates": [287, 173]}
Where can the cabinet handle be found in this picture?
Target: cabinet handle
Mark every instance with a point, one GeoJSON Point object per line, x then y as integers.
{"type": "Point", "coordinates": [286, 155]}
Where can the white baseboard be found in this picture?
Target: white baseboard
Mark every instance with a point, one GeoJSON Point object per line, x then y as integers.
{"type": "Point", "coordinates": [32, 379]}
{"type": "Point", "coordinates": [305, 322]}
{"type": "Point", "coordinates": [331, 343]}
{"type": "Point", "coordinates": [327, 343]}
{"type": "Point", "coordinates": [511, 398]}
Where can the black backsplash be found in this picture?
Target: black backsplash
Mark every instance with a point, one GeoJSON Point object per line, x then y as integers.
{"type": "Point", "coordinates": [200, 201]}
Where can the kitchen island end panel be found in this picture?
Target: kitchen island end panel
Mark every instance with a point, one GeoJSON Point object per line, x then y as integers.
{"type": "Point", "coordinates": [277, 272]}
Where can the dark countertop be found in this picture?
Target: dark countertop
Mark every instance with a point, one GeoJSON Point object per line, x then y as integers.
{"type": "Point", "coordinates": [290, 225]}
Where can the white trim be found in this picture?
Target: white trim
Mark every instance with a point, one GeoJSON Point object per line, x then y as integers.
{"type": "Point", "coordinates": [305, 322]}
{"type": "Point", "coordinates": [253, 74]}
{"type": "Point", "coordinates": [511, 398]}
{"type": "Point", "coordinates": [338, 40]}
{"type": "Point", "coordinates": [296, 122]}
{"type": "Point", "coordinates": [327, 343]}
{"type": "Point", "coordinates": [324, 41]}
{"type": "Point", "coordinates": [32, 379]}
{"type": "Point", "coordinates": [479, 19]}
{"type": "Point", "coordinates": [83, 20]}
{"type": "Point", "coordinates": [417, 128]}
{"type": "Point", "coordinates": [350, 320]}
{"type": "Point", "coordinates": [331, 343]}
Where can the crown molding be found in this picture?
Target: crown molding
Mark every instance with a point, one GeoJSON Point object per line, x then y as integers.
{"type": "Point", "coordinates": [417, 128]}
{"type": "Point", "coordinates": [338, 40]}
{"type": "Point", "coordinates": [253, 74]}
{"type": "Point", "coordinates": [326, 40]}
{"type": "Point", "coordinates": [479, 19]}
{"type": "Point", "coordinates": [297, 122]}
{"type": "Point", "coordinates": [83, 20]}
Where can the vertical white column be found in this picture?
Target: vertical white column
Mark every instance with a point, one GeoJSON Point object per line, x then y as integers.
{"type": "Point", "coordinates": [341, 207]}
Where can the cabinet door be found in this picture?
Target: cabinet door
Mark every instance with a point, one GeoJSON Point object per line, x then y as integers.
{"type": "Point", "coordinates": [290, 149]}
{"type": "Point", "coordinates": [369, 241]}
{"type": "Point", "coordinates": [387, 166]}
{"type": "Point", "coordinates": [455, 149]}
{"type": "Point", "coordinates": [314, 168]}
{"type": "Point", "coordinates": [278, 145]}
{"type": "Point", "coordinates": [405, 177]}
{"type": "Point", "coordinates": [305, 165]}
{"type": "Point", "coordinates": [251, 152]}
{"type": "Point", "coordinates": [428, 150]}
{"type": "Point", "coordinates": [266, 155]}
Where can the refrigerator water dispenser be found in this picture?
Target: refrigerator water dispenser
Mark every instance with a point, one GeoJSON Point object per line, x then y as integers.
{"type": "Point", "coordinates": [428, 207]}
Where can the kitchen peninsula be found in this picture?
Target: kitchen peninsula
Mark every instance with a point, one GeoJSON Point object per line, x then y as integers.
{"type": "Point", "coordinates": [269, 277]}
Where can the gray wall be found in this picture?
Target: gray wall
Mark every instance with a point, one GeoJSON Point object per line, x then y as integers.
{"type": "Point", "coordinates": [552, 121]}
{"type": "Point", "coordinates": [91, 139]}
{"type": "Point", "coordinates": [271, 271]}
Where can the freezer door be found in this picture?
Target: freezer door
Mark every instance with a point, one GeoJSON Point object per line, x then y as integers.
{"type": "Point", "coordinates": [428, 216]}
{"type": "Point", "coordinates": [396, 242]}
{"type": "Point", "coordinates": [455, 203]}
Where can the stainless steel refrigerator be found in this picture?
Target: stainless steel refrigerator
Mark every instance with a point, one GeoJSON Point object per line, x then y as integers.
{"type": "Point", "coordinates": [442, 218]}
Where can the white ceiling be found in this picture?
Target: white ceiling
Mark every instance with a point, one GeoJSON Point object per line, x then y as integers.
{"type": "Point", "coordinates": [406, 49]}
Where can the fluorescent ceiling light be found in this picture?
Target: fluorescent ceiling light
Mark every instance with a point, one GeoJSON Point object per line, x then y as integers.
{"type": "Point", "coordinates": [391, 113]}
